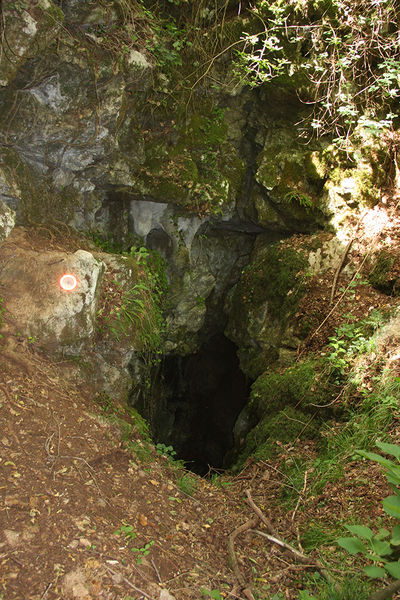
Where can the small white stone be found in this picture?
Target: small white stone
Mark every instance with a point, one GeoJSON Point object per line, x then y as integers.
{"type": "Point", "coordinates": [138, 59]}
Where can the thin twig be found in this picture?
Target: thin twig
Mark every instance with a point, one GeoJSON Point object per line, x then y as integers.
{"type": "Point", "coordinates": [156, 570]}
{"type": "Point", "coordinates": [245, 588]}
{"type": "Point", "coordinates": [138, 590]}
{"type": "Point", "coordinates": [339, 269]}
{"type": "Point", "coordinates": [176, 576]}
{"type": "Point", "coordinates": [367, 255]}
{"type": "Point", "coordinates": [300, 496]}
{"type": "Point", "coordinates": [260, 514]}
{"type": "Point", "coordinates": [11, 557]}
{"type": "Point", "coordinates": [274, 539]}
{"type": "Point", "coordinates": [48, 586]}
{"type": "Point", "coordinates": [299, 556]}
{"type": "Point", "coordinates": [329, 403]}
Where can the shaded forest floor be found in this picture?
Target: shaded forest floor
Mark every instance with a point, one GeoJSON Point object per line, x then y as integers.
{"type": "Point", "coordinates": [83, 517]}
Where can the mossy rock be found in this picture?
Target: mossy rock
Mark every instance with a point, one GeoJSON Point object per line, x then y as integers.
{"type": "Point", "coordinates": [271, 391]}
{"type": "Point", "coordinates": [253, 360]}
{"type": "Point", "coordinates": [384, 275]}
{"type": "Point", "coordinates": [283, 406]}
{"type": "Point", "coordinates": [300, 384]}
{"type": "Point", "coordinates": [262, 303]}
{"type": "Point", "coordinates": [284, 427]}
{"type": "Point", "coordinates": [38, 201]}
{"type": "Point", "coordinates": [188, 161]}
{"type": "Point", "coordinates": [276, 277]}
{"type": "Point", "coordinates": [30, 28]}
{"type": "Point", "coordinates": [294, 177]}
{"type": "Point", "coordinates": [356, 174]}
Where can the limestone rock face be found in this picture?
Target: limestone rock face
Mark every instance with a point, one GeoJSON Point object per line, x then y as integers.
{"type": "Point", "coordinates": [62, 130]}
{"type": "Point", "coordinates": [93, 137]}
{"type": "Point", "coordinates": [262, 306]}
{"type": "Point", "coordinates": [293, 177]}
{"type": "Point", "coordinates": [58, 321]}
{"type": "Point", "coordinates": [82, 323]}
{"type": "Point", "coordinates": [203, 257]}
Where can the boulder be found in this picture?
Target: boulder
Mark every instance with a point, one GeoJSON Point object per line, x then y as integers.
{"type": "Point", "coordinates": [261, 305]}
{"type": "Point", "coordinates": [57, 320]}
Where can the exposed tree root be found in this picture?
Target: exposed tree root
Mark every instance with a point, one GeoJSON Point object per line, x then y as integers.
{"type": "Point", "coordinates": [260, 514]}
{"type": "Point", "coordinates": [339, 269]}
{"type": "Point", "coordinates": [244, 586]}
{"type": "Point", "coordinates": [387, 592]}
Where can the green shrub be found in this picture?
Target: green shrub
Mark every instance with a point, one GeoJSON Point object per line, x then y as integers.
{"type": "Point", "coordinates": [341, 56]}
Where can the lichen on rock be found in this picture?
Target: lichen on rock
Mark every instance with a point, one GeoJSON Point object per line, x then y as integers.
{"type": "Point", "coordinates": [7, 221]}
{"type": "Point", "coordinates": [293, 177]}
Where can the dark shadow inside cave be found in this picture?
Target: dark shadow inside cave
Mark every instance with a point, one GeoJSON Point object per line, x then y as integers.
{"type": "Point", "coordinates": [201, 397]}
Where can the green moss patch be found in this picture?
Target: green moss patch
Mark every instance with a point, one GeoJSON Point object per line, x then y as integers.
{"type": "Point", "coordinates": [295, 386]}
{"type": "Point", "coordinates": [40, 202]}
{"type": "Point", "coordinates": [284, 404]}
{"type": "Point", "coordinates": [189, 162]}
{"type": "Point", "coordinates": [277, 277]}
{"type": "Point", "coordinates": [265, 298]}
{"type": "Point", "coordinates": [284, 427]}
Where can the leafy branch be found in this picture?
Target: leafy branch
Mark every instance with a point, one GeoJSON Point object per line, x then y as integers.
{"type": "Point", "coordinates": [343, 56]}
{"type": "Point", "coordinates": [381, 548]}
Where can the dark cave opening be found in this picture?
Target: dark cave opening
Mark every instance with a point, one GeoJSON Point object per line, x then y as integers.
{"type": "Point", "coordinates": [201, 396]}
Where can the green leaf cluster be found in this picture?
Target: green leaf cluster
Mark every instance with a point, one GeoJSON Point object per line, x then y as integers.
{"type": "Point", "coordinates": [351, 339]}
{"type": "Point", "coordinates": [126, 530]}
{"type": "Point", "coordinates": [143, 551]}
{"type": "Point", "coordinates": [164, 450]}
{"type": "Point", "coordinates": [214, 594]}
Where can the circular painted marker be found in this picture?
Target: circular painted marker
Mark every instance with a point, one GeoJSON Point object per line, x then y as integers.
{"type": "Point", "coordinates": [68, 282]}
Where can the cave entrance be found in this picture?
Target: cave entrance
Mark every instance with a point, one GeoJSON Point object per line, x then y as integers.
{"type": "Point", "coordinates": [201, 397]}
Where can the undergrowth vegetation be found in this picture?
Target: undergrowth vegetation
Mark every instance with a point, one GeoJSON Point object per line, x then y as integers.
{"type": "Point", "coordinates": [132, 305]}
{"type": "Point", "coordinates": [381, 547]}
{"type": "Point", "coordinates": [351, 588]}
{"type": "Point", "coordinates": [338, 398]}
{"type": "Point", "coordinates": [343, 57]}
